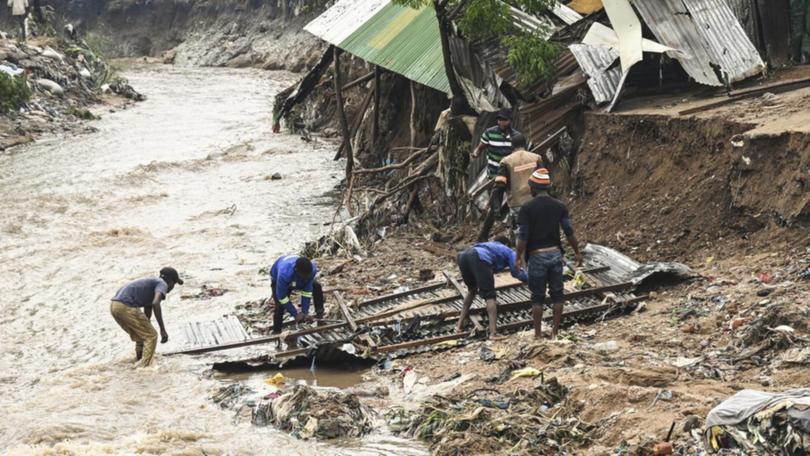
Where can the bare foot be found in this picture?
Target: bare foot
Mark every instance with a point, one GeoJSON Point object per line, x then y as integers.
{"type": "Point", "coordinates": [496, 336]}
{"type": "Point", "coordinates": [459, 329]}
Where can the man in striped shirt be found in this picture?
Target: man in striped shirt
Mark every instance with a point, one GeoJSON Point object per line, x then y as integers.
{"type": "Point", "coordinates": [498, 142]}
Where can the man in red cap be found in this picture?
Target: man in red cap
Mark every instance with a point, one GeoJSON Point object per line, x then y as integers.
{"type": "Point", "coordinates": [539, 222]}
{"type": "Point", "coordinates": [146, 294]}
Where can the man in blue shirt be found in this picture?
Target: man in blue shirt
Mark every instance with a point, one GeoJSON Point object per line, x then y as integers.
{"type": "Point", "coordinates": [478, 265]}
{"type": "Point", "coordinates": [291, 273]}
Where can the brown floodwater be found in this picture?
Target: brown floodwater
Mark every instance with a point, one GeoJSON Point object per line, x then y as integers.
{"type": "Point", "coordinates": [181, 179]}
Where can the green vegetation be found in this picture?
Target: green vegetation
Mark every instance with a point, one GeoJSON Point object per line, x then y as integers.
{"type": "Point", "coordinates": [82, 113]}
{"type": "Point", "coordinates": [530, 54]}
{"type": "Point", "coordinates": [14, 92]}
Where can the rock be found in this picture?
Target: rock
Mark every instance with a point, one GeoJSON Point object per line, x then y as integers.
{"type": "Point", "coordinates": [50, 86]}
{"type": "Point", "coordinates": [691, 422]}
{"type": "Point", "coordinates": [276, 176]}
{"type": "Point", "coordinates": [764, 292]}
{"type": "Point", "coordinates": [736, 323]}
{"type": "Point", "coordinates": [606, 347]}
{"type": "Point", "coordinates": [689, 328]}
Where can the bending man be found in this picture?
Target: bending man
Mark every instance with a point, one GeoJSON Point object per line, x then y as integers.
{"type": "Point", "coordinates": [147, 294]}
{"type": "Point", "coordinates": [539, 223]}
{"type": "Point", "coordinates": [478, 265]}
{"type": "Point", "coordinates": [291, 273]}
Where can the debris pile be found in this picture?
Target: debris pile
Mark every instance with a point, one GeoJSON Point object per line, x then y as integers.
{"type": "Point", "coordinates": [527, 421]}
{"type": "Point", "coordinates": [756, 422]}
{"type": "Point", "coordinates": [63, 78]}
{"type": "Point", "coordinates": [308, 413]}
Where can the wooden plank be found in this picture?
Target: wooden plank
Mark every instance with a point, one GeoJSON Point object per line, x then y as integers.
{"type": "Point", "coordinates": [424, 289]}
{"type": "Point", "coordinates": [358, 81]}
{"type": "Point", "coordinates": [344, 309]}
{"type": "Point", "coordinates": [344, 123]}
{"type": "Point", "coordinates": [375, 128]}
{"type": "Point", "coordinates": [417, 343]}
{"type": "Point", "coordinates": [475, 319]}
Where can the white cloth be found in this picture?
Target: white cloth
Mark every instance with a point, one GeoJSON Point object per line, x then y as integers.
{"type": "Point", "coordinates": [18, 7]}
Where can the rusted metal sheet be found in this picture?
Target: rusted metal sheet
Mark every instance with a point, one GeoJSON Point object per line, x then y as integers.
{"type": "Point", "coordinates": [706, 33]}
{"type": "Point", "coordinates": [599, 63]}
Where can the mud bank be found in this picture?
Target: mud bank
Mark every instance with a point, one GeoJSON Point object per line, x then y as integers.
{"type": "Point", "coordinates": [666, 187]}
{"type": "Point", "coordinates": [229, 33]}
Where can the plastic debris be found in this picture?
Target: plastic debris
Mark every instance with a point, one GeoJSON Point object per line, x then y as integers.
{"type": "Point", "coordinates": [525, 372]}
{"type": "Point", "coordinates": [276, 380]}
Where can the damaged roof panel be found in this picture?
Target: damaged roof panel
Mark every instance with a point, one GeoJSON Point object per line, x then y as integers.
{"type": "Point", "coordinates": [728, 43]}
{"type": "Point", "coordinates": [671, 24]}
{"type": "Point", "coordinates": [597, 62]}
{"type": "Point", "coordinates": [708, 33]}
{"type": "Point", "coordinates": [402, 40]}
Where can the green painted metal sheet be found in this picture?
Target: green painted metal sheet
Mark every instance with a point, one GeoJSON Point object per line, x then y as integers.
{"type": "Point", "coordinates": [403, 40]}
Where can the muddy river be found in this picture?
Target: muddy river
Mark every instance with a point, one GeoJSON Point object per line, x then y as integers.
{"type": "Point", "coordinates": [182, 179]}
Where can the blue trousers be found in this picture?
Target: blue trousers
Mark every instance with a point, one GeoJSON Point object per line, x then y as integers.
{"type": "Point", "coordinates": [546, 270]}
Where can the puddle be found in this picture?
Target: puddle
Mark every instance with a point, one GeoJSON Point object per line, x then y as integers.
{"type": "Point", "coordinates": [322, 376]}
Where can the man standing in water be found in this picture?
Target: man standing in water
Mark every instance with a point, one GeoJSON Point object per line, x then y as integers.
{"type": "Point", "coordinates": [539, 223]}
{"type": "Point", "coordinates": [145, 293]}
{"type": "Point", "coordinates": [478, 266]}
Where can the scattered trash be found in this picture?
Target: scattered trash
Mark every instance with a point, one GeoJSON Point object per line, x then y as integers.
{"type": "Point", "coordinates": [764, 277]}
{"type": "Point", "coordinates": [738, 141]}
{"type": "Point", "coordinates": [533, 421]}
{"type": "Point", "coordinates": [308, 413]}
{"type": "Point", "coordinates": [761, 422]}
{"type": "Point", "coordinates": [525, 372]}
{"type": "Point", "coordinates": [486, 354]}
{"type": "Point", "coordinates": [276, 380]}
{"type": "Point", "coordinates": [610, 346]}
{"type": "Point", "coordinates": [50, 86]}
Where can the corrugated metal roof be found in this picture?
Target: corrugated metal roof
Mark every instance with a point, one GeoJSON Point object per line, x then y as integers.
{"type": "Point", "coordinates": [400, 39]}
{"type": "Point", "coordinates": [728, 44]}
{"type": "Point", "coordinates": [597, 62]}
{"type": "Point", "coordinates": [708, 32]}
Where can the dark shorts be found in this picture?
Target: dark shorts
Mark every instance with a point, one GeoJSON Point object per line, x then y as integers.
{"type": "Point", "coordinates": [546, 270]}
{"type": "Point", "coordinates": [477, 275]}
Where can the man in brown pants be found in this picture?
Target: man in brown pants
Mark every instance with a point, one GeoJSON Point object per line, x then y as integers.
{"type": "Point", "coordinates": [147, 294]}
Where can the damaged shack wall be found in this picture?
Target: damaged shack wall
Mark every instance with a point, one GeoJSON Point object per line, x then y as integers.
{"type": "Point", "coordinates": [396, 110]}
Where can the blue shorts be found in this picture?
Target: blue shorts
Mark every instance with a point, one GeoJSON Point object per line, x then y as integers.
{"type": "Point", "coordinates": [546, 270]}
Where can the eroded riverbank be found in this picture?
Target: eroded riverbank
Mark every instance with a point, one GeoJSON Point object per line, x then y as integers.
{"type": "Point", "coordinates": [183, 178]}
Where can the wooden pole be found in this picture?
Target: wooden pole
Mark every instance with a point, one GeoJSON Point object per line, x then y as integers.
{"type": "Point", "coordinates": [375, 130]}
{"type": "Point", "coordinates": [344, 123]}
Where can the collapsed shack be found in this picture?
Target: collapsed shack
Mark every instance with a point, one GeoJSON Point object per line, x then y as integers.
{"type": "Point", "coordinates": [424, 319]}
{"type": "Point", "coordinates": [408, 158]}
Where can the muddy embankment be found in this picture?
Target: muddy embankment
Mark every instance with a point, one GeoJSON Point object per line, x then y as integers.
{"type": "Point", "coordinates": [233, 33]}
{"type": "Point", "coordinates": [663, 187]}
